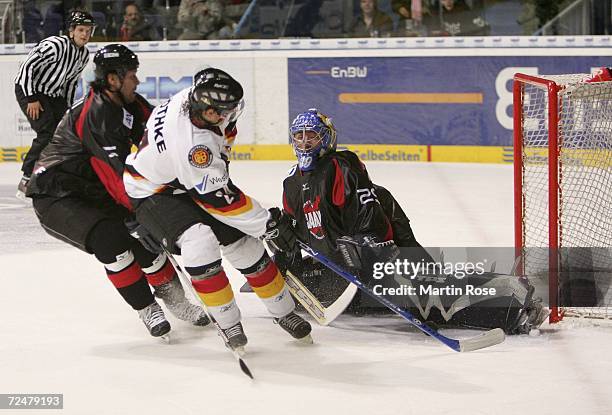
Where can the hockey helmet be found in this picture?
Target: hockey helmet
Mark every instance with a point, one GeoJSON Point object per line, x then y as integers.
{"type": "Point", "coordinates": [312, 135]}
{"type": "Point", "coordinates": [209, 72]}
{"type": "Point", "coordinates": [114, 58]}
{"type": "Point", "coordinates": [80, 18]}
{"type": "Point", "coordinates": [216, 89]}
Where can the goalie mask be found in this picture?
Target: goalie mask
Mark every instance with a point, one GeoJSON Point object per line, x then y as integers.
{"type": "Point", "coordinates": [312, 135]}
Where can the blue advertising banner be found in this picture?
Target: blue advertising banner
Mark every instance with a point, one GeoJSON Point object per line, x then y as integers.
{"type": "Point", "coordinates": [460, 100]}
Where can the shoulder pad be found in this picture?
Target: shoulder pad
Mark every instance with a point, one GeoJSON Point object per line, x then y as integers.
{"type": "Point", "coordinates": [352, 159]}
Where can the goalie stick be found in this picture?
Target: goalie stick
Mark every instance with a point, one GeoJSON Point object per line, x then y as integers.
{"type": "Point", "coordinates": [238, 354]}
{"type": "Point", "coordinates": [486, 339]}
{"type": "Point", "coordinates": [323, 315]}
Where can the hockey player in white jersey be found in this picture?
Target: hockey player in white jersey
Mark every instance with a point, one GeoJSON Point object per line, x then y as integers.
{"type": "Point", "coordinates": [179, 184]}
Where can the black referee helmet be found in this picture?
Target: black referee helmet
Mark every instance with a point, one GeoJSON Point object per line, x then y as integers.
{"type": "Point", "coordinates": [80, 18]}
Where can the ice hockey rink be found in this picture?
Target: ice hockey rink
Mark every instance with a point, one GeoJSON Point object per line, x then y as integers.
{"type": "Point", "coordinates": [65, 330]}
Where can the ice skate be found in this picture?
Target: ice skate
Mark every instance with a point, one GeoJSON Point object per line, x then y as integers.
{"type": "Point", "coordinates": [296, 326]}
{"type": "Point", "coordinates": [234, 337]}
{"type": "Point", "coordinates": [532, 317]}
{"type": "Point", "coordinates": [173, 296]}
{"type": "Point", "coordinates": [154, 319]}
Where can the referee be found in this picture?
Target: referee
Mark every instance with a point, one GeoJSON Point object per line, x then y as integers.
{"type": "Point", "coordinates": [47, 81]}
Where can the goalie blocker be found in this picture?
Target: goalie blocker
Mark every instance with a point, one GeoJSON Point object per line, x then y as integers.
{"type": "Point", "coordinates": [337, 210]}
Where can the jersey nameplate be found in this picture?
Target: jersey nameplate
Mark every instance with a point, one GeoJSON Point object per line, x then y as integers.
{"type": "Point", "coordinates": [160, 117]}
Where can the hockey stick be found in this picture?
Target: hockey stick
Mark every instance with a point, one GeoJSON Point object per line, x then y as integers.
{"type": "Point", "coordinates": [187, 281]}
{"type": "Point", "coordinates": [486, 339]}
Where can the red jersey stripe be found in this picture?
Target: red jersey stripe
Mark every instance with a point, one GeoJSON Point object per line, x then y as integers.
{"type": "Point", "coordinates": [80, 123]}
{"type": "Point", "coordinates": [338, 197]}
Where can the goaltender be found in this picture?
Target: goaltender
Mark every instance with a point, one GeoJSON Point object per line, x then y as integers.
{"type": "Point", "coordinates": [330, 203]}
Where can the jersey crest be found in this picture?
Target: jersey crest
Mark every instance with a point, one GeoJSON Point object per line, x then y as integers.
{"type": "Point", "coordinates": [200, 156]}
{"type": "Point", "coordinates": [128, 119]}
{"type": "Point", "coordinates": [313, 218]}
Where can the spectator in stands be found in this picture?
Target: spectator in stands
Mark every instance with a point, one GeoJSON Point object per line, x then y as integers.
{"type": "Point", "coordinates": [410, 10]}
{"type": "Point", "coordinates": [457, 20]}
{"type": "Point", "coordinates": [410, 13]}
{"type": "Point", "coordinates": [135, 27]}
{"type": "Point", "coordinates": [202, 19]}
{"type": "Point", "coordinates": [371, 22]}
{"type": "Point", "coordinates": [305, 20]}
{"type": "Point", "coordinates": [528, 19]}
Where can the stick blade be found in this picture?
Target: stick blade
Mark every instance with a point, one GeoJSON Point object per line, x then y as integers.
{"type": "Point", "coordinates": [245, 369]}
{"type": "Point", "coordinates": [239, 354]}
{"type": "Point", "coordinates": [486, 339]}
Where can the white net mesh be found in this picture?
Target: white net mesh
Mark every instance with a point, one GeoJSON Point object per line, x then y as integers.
{"type": "Point", "coordinates": [584, 182]}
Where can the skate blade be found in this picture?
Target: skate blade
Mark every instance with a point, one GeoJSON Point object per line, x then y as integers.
{"type": "Point", "coordinates": [239, 351]}
{"type": "Point", "coordinates": [305, 340]}
{"type": "Point", "coordinates": [166, 338]}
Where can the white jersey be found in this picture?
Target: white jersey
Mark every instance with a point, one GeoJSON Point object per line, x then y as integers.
{"type": "Point", "coordinates": [175, 156]}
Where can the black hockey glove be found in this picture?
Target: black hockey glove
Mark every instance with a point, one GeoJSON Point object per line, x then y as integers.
{"type": "Point", "coordinates": [364, 251]}
{"type": "Point", "coordinates": [279, 231]}
{"type": "Point", "coordinates": [142, 234]}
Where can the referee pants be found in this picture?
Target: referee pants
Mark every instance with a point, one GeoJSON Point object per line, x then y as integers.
{"type": "Point", "coordinates": [53, 111]}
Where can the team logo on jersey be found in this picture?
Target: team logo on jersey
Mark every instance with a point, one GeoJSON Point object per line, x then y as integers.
{"type": "Point", "coordinates": [313, 218]}
{"type": "Point", "coordinates": [200, 156]}
{"type": "Point", "coordinates": [128, 119]}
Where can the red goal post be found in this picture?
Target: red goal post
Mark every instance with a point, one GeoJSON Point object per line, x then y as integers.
{"type": "Point", "coordinates": [562, 178]}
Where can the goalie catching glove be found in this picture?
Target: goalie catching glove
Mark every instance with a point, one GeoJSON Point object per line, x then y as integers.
{"type": "Point", "coordinates": [279, 231]}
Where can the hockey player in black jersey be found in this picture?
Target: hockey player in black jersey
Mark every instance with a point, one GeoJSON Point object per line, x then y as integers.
{"type": "Point", "coordinates": [79, 197]}
{"type": "Point", "coordinates": [330, 203]}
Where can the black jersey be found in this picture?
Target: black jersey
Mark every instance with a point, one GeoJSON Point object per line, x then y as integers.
{"type": "Point", "coordinates": [336, 199]}
{"type": "Point", "coordinates": [86, 156]}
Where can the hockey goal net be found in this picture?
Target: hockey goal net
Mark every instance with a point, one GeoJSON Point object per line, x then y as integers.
{"type": "Point", "coordinates": [563, 189]}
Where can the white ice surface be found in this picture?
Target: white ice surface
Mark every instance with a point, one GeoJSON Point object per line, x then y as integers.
{"type": "Point", "coordinates": [63, 329]}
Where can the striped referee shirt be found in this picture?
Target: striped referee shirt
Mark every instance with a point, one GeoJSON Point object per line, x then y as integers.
{"type": "Point", "coordinates": [52, 68]}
